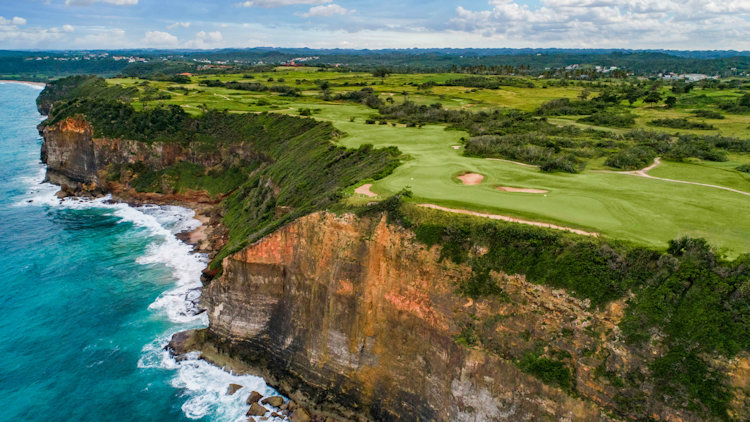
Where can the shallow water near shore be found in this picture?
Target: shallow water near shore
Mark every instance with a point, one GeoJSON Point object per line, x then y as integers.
{"type": "Point", "coordinates": [91, 293]}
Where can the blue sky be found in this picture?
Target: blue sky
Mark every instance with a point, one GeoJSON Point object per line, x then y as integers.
{"type": "Point", "coordinates": [88, 24]}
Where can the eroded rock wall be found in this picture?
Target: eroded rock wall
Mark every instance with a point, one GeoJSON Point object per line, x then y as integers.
{"type": "Point", "coordinates": [74, 156]}
{"type": "Point", "coordinates": [353, 316]}
{"type": "Point", "coordinates": [68, 151]}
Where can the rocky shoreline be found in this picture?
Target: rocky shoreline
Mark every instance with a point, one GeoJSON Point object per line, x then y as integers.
{"type": "Point", "coordinates": [260, 408]}
{"type": "Point", "coordinates": [208, 238]}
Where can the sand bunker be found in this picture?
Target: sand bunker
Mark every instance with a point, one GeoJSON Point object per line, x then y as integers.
{"type": "Point", "coordinates": [522, 190]}
{"type": "Point", "coordinates": [365, 190]}
{"type": "Point", "coordinates": [470, 178]}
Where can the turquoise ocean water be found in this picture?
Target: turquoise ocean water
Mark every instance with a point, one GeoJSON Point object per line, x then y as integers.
{"type": "Point", "coordinates": [90, 293]}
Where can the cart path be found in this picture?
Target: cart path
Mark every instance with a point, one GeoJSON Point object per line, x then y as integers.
{"type": "Point", "coordinates": [657, 161]}
{"type": "Point", "coordinates": [510, 219]}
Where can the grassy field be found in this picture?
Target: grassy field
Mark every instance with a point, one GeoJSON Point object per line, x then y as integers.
{"type": "Point", "coordinates": [619, 206]}
{"type": "Point", "coordinates": [721, 173]}
{"type": "Point", "coordinates": [637, 209]}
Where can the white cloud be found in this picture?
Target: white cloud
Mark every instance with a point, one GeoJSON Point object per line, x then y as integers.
{"type": "Point", "coordinates": [15, 21]}
{"type": "Point", "coordinates": [205, 40]}
{"type": "Point", "coordinates": [160, 39]}
{"type": "Point", "coordinates": [327, 10]}
{"type": "Point", "coordinates": [90, 2]}
{"type": "Point", "coordinates": [179, 24]}
{"type": "Point", "coordinates": [280, 3]}
{"type": "Point", "coordinates": [611, 23]}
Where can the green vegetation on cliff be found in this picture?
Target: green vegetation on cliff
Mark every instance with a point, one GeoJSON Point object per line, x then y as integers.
{"type": "Point", "coordinates": [295, 168]}
{"type": "Point", "coordinates": [78, 87]}
{"type": "Point", "coordinates": [691, 302]}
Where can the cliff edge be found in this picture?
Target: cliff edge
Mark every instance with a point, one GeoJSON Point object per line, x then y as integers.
{"type": "Point", "coordinates": [353, 316]}
{"type": "Point", "coordinates": [434, 318]}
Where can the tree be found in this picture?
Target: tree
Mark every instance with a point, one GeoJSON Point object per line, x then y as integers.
{"type": "Point", "coordinates": [652, 97]}
{"type": "Point", "coordinates": [632, 94]}
{"type": "Point", "coordinates": [670, 101]}
{"type": "Point", "coordinates": [584, 95]}
{"type": "Point", "coordinates": [381, 72]}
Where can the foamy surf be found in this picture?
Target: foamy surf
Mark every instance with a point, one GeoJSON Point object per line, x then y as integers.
{"type": "Point", "coordinates": [204, 386]}
{"type": "Point", "coordinates": [207, 386]}
{"type": "Point", "coordinates": [36, 85]}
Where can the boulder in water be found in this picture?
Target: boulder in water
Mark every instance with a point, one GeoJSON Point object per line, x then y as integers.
{"type": "Point", "coordinates": [256, 410]}
{"type": "Point", "coordinates": [254, 397]}
{"type": "Point", "coordinates": [274, 401]}
{"type": "Point", "coordinates": [233, 389]}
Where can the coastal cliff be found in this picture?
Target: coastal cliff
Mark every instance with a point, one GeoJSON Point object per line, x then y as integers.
{"type": "Point", "coordinates": [438, 318]}
{"type": "Point", "coordinates": [75, 157]}
{"type": "Point", "coordinates": [354, 317]}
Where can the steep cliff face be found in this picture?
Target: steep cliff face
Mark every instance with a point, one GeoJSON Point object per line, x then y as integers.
{"type": "Point", "coordinates": [68, 151]}
{"type": "Point", "coordinates": [75, 157]}
{"type": "Point", "coordinates": [354, 316]}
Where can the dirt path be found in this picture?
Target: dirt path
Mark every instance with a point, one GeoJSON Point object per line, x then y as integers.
{"type": "Point", "coordinates": [657, 161]}
{"type": "Point", "coordinates": [510, 219]}
{"type": "Point", "coordinates": [655, 164]}
{"type": "Point", "coordinates": [223, 96]}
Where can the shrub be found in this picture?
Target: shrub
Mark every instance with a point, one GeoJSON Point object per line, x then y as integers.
{"type": "Point", "coordinates": [553, 372]}
{"type": "Point", "coordinates": [681, 123]}
{"type": "Point", "coordinates": [566, 107]}
{"type": "Point", "coordinates": [530, 148]}
{"type": "Point", "coordinates": [631, 158]}
{"type": "Point", "coordinates": [708, 114]}
{"type": "Point", "coordinates": [605, 118]}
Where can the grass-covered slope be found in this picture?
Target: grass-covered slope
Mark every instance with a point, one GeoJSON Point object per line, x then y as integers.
{"type": "Point", "coordinates": [534, 121]}
{"type": "Point", "coordinates": [80, 87]}
{"type": "Point", "coordinates": [295, 167]}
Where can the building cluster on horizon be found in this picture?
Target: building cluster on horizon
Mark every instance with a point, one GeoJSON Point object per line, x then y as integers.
{"type": "Point", "coordinates": [690, 77]}
{"type": "Point", "coordinates": [130, 59]}
{"type": "Point", "coordinates": [88, 56]}
{"type": "Point", "coordinates": [296, 62]}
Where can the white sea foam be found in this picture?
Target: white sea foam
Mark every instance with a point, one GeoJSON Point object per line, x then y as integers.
{"type": "Point", "coordinates": [36, 85]}
{"type": "Point", "coordinates": [207, 385]}
{"type": "Point", "coordinates": [204, 386]}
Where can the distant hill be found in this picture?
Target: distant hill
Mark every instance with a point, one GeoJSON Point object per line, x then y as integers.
{"type": "Point", "coordinates": [45, 65]}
